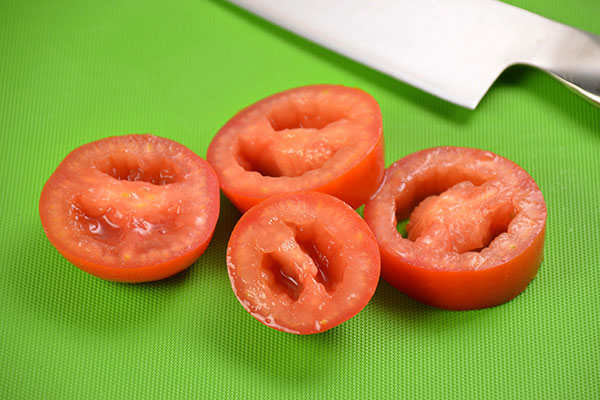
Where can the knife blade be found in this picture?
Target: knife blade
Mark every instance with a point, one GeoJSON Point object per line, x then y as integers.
{"type": "Point", "coordinates": [454, 49]}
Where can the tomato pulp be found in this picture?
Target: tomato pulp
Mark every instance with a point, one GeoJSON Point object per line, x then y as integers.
{"type": "Point", "coordinates": [476, 236]}
{"type": "Point", "coordinates": [303, 262]}
{"type": "Point", "coordinates": [131, 208]}
{"type": "Point", "coordinates": [324, 138]}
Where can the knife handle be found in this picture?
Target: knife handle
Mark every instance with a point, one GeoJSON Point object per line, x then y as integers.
{"type": "Point", "coordinates": [574, 59]}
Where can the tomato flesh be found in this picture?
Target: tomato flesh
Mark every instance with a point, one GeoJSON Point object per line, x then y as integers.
{"type": "Point", "coordinates": [325, 138]}
{"type": "Point", "coordinates": [475, 232]}
{"type": "Point", "coordinates": [131, 208]}
{"type": "Point", "coordinates": [463, 218]}
{"type": "Point", "coordinates": [303, 262]}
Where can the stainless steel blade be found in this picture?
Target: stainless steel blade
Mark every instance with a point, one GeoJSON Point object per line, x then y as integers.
{"type": "Point", "coordinates": [454, 49]}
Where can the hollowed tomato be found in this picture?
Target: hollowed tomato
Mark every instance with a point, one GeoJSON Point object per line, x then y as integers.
{"type": "Point", "coordinates": [324, 138]}
{"type": "Point", "coordinates": [131, 208]}
{"type": "Point", "coordinates": [476, 227]}
{"type": "Point", "coordinates": [303, 262]}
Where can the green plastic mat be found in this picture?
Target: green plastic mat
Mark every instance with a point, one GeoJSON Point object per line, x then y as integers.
{"type": "Point", "coordinates": [75, 71]}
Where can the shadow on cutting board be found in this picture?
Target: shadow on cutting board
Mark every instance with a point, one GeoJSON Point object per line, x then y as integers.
{"type": "Point", "coordinates": [58, 293]}
{"type": "Point", "coordinates": [55, 290]}
{"type": "Point", "coordinates": [537, 87]}
{"type": "Point", "coordinates": [544, 89]}
{"type": "Point", "coordinates": [412, 317]}
{"type": "Point", "coordinates": [395, 87]}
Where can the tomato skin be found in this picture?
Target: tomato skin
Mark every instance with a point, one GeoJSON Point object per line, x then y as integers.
{"type": "Point", "coordinates": [464, 290]}
{"type": "Point", "coordinates": [303, 262]}
{"type": "Point", "coordinates": [349, 150]}
{"type": "Point", "coordinates": [115, 209]}
{"type": "Point", "coordinates": [458, 280]}
{"type": "Point", "coordinates": [148, 273]}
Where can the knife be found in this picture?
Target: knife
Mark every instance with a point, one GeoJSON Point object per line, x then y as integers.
{"type": "Point", "coordinates": [454, 49]}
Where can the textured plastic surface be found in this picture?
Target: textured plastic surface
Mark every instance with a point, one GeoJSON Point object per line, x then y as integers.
{"type": "Point", "coordinates": [75, 71]}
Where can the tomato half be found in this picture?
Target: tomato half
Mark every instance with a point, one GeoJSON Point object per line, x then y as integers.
{"type": "Point", "coordinates": [476, 236]}
{"type": "Point", "coordinates": [131, 208]}
{"type": "Point", "coordinates": [324, 138]}
{"type": "Point", "coordinates": [303, 262]}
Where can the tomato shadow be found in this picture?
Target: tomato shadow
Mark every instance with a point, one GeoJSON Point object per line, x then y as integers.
{"type": "Point", "coordinates": [53, 289]}
{"type": "Point", "coordinates": [384, 82]}
{"type": "Point", "coordinates": [210, 270]}
{"type": "Point", "coordinates": [414, 318]}
{"type": "Point", "coordinates": [391, 301]}
{"type": "Point", "coordinates": [213, 259]}
{"type": "Point", "coordinates": [249, 347]}
{"type": "Point", "coordinates": [230, 333]}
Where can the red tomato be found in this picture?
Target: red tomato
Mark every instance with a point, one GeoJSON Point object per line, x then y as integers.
{"type": "Point", "coordinates": [303, 262]}
{"type": "Point", "coordinates": [325, 138]}
{"type": "Point", "coordinates": [131, 208]}
{"type": "Point", "coordinates": [476, 237]}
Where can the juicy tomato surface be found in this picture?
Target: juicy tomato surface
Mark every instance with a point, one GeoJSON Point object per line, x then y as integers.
{"type": "Point", "coordinates": [303, 262]}
{"type": "Point", "coordinates": [325, 138]}
{"type": "Point", "coordinates": [475, 232]}
{"type": "Point", "coordinates": [131, 208]}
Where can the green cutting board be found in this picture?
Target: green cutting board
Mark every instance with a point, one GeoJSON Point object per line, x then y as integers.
{"type": "Point", "coordinates": [75, 71]}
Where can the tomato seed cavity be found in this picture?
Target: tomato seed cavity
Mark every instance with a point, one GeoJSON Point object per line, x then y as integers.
{"type": "Point", "coordinates": [294, 115]}
{"type": "Point", "coordinates": [460, 231]}
{"type": "Point", "coordinates": [321, 248]}
{"type": "Point", "coordinates": [99, 227]}
{"type": "Point", "coordinates": [293, 147]}
{"type": "Point", "coordinates": [285, 282]}
{"type": "Point", "coordinates": [125, 167]}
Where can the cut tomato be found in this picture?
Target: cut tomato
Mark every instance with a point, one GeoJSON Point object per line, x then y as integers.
{"type": "Point", "coordinates": [476, 236]}
{"type": "Point", "coordinates": [131, 208]}
{"type": "Point", "coordinates": [303, 262]}
{"type": "Point", "coordinates": [324, 138]}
